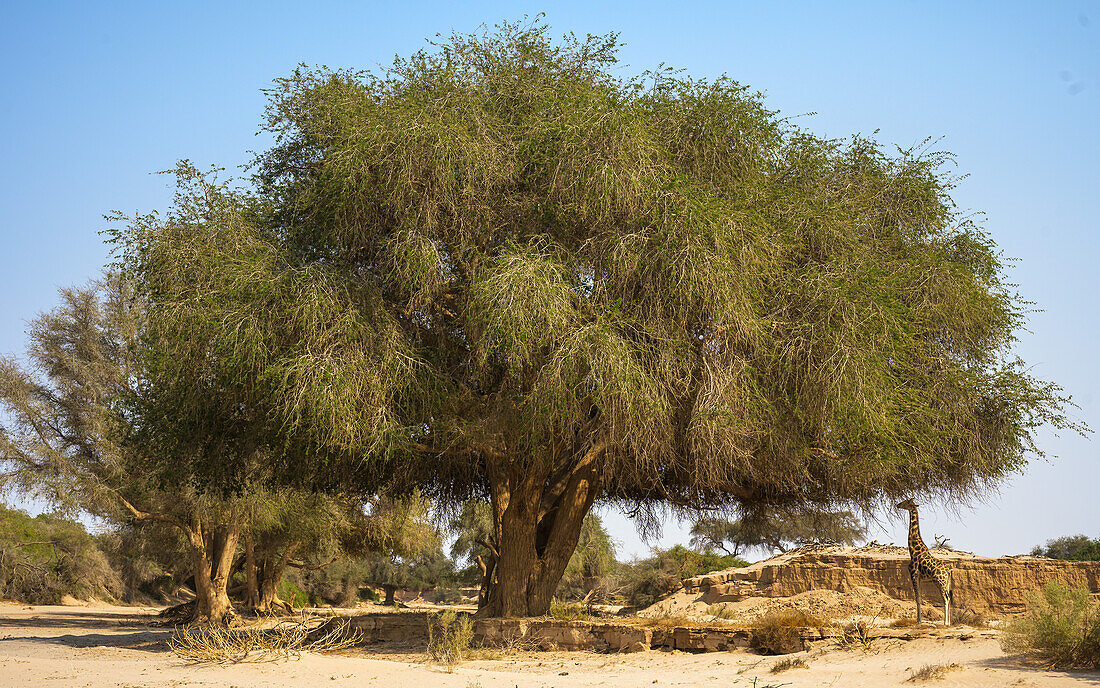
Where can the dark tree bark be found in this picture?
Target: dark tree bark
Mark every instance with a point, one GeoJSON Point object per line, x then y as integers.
{"type": "Point", "coordinates": [265, 570]}
{"type": "Point", "coordinates": [252, 584]}
{"type": "Point", "coordinates": [538, 518]}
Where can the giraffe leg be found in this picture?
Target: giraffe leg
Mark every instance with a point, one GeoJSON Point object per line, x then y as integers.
{"type": "Point", "coordinates": [947, 588]}
{"type": "Point", "coordinates": [915, 577]}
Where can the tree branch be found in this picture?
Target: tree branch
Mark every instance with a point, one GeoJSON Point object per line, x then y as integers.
{"type": "Point", "coordinates": [140, 515]}
{"type": "Point", "coordinates": [312, 567]}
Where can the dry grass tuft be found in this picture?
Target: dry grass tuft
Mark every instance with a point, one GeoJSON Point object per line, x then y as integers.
{"type": "Point", "coordinates": [789, 663]}
{"type": "Point", "coordinates": [930, 672]}
{"type": "Point", "coordinates": [903, 623]}
{"type": "Point", "coordinates": [969, 617]}
{"type": "Point", "coordinates": [287, 639]}
{"type": "Point", "coordinates": [779, 633]}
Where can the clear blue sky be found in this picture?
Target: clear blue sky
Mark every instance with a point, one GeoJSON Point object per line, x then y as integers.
{"type": "Point", "coordinates": [95, 96]}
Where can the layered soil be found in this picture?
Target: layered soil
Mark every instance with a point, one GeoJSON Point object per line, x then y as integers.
{"type": "Point", "coordinates": [835, 582]}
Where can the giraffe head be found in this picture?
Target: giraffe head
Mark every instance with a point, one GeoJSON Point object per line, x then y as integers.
{"type": "Point", "coordinates": [909, 505]}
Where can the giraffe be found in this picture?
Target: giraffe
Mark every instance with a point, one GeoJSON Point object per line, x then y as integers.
{"type": "Point", "coordinates": [923, 565]}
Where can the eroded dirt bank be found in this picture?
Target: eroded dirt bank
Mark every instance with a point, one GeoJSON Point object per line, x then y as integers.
{"type": "Point", "coordinates": [877, 576]}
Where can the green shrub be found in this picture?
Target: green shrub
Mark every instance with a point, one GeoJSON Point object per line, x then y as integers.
{"type": "Point", "coordinates": [45, 557]}
{"type": "Point", "coordinates": [647, 580]}
{"type": "Point", "coordinates": [1061, 627]}
{"type": "Point", "coordinates": [566, 611]}
{"type": "Point", "coordinates": [292, 594]}
{"type": "Point", "coordinates": [449, 637]}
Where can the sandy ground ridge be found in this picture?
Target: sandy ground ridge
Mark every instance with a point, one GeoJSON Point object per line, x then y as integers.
{"type": "Point", "coordinates": [100, 647]}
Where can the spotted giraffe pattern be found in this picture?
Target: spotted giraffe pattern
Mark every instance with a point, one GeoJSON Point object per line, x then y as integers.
{"type": "Point", "coordinates": [923, 565]}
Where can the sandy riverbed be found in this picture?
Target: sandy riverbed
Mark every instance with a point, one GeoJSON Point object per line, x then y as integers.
{"type": "Point", "coordinates": [106, 646]}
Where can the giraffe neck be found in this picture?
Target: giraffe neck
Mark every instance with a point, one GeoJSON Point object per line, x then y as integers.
{"type": "Point", "coordinates": [915, 541]}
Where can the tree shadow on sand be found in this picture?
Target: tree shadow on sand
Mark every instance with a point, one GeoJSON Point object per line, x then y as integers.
{"type": "Point", "coordinates": [1022, 662]}
{"type": "Point", "coordinates": [80, 618]}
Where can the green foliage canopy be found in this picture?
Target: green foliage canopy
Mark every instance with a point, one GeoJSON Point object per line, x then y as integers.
{"type": "Point", "coordinates": [501, 269]}
{"type": "Point", "coordinates": [735, 308]}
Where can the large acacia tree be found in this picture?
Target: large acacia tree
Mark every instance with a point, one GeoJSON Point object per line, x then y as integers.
{"type": "Point", "coordinates": [553, 285]}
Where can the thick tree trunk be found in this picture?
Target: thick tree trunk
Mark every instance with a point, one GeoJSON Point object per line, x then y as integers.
{"type": "Point", "coordinates": [349, 592]}
{"type": "Point", "coordinates": [212, 551]}
{"type": "Point", "coordinates": [252, 584]}
{"type": "Point", "coordinates": [390, 590]}
{"type": "Point", "coordinates": [538, 523]}
{"type": "Point", "coordinates": [267, 570]}
{"type": "Point", "coordinates": [270, 602]}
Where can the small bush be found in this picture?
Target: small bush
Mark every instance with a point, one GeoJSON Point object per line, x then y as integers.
{"type": "Point", "coordinates": [903, 623]}
{"type": "Point", "coordinates": [292, 594]}
{"type": "Point", "coordinates": [566, 611]}
{"type": "Point", "coordinates": [449, 636]}
{"type": "Point", "coordinates": [858, 633]}
{"type": "Point", "coordinates": [778, 633]}
{"type": "Point", "coordinates": [929, 672]}
{"type": "Point", "coordinates": [287, 639]}
{"type": "Point", "coordinates": [788, 664]}
{"type": "Point", "coordinates": [721, 612]}
{"type": "Point", "coordinates": [1061, 627]}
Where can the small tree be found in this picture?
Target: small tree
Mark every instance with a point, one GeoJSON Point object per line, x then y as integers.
{"type": "Point", "coordinates": [777, 529]}
{"type": "Point", "coordinates": [647, 580]}
{"type": "Point", "coordinates": [87, 429]}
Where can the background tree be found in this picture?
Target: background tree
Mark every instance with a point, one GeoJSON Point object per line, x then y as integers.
{"type": "Point", "coordinates": [151, 558]}
{"type": "Point", "coordinates": [777, 529]}
{"type": "Point", "coordinates": [76, 433]}
{"type": "Point", "coordinates": [48, 556]}
{"type": "Point", "coordinates": [650, 291]}
{"type": "Point", "coordinates": [590, 574]}
{"type": "Point", "coordinates": [1072, 547]}
{"type": "Point", "coordinates": [413, 557]}
{"type": "Point", "coordinates": [475, 542]}
{"type": "Point", "coordinates": [644, 581]}
{"type": "Point", "coordinates": [291, 528]}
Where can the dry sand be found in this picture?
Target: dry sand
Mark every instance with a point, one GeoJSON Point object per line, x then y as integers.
{"type": "Point", "coordinates": [102, 646]}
